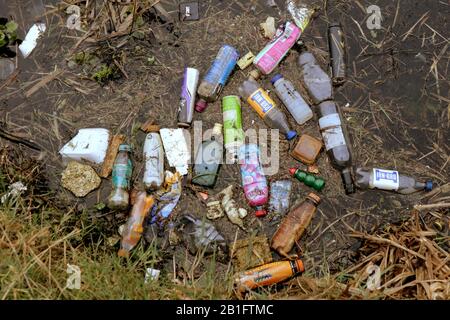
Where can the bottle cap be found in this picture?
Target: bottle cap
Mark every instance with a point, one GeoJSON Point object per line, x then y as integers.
{"type": "Point", "coordinates": [428, 185]}
{"type": "Point", "coordinates": [260, 212]}
{"type": "Point", "coordinates": [201, 105]}
{"type": "Point", "coordinates": [291, 135]}
{"type": "Point", "coordinates": [300, 266]}
{"type": "Point", "coordinates": [255, 74]}
{"type": "Point", "coordinates": [292, 171]}
{"type": "Point", "coordinates": [217, 130]}
{"type": "Point", "coordinates": [314, 197]}
{"type": "Point", "coordinates": [125, 147]}
{"type": "Point", "coordinates": [276, 78]}
{"type": "Point", "coordinates": [123, 253]}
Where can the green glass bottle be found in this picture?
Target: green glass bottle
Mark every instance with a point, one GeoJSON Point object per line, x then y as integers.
{"type": "Point", "coordinates": [308, 179]}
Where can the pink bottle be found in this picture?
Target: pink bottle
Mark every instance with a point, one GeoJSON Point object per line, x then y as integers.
{"type": "Point", "coordinates": [253, 179]}
{"type": "Point", "coordinates": [269, 57]}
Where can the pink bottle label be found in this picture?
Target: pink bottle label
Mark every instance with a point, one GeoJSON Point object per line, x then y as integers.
{"type": "Point", "coordinates": [277, 48]}
{"type": "Point", "coordinates": [253, 179]}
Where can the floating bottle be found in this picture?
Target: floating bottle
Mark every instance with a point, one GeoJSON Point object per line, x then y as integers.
{"type": "Point", "coordinates": [280, 193]}
{"type": "Point", "coordinates": [294, 224]}
{"type": "Point", "coordinates": [216, 77]}
{"type": "Point", "coordinates": [253, 179]}
{"type": "Point", "coordinates": [268, 274]}
{"type": "Point", "coordinates": [187, 100]}
{"type": "Point", "coordinates": [208, 159]}
{"type": "Point", "coordinates": [292, 99]}
{"type": "Point", "coordinates": [334, 135]}
{"type": "Point", "coordinates": [260, 101]}
{"type": "Point", "coordinates": [121, 176]}
{"type": "Point", "coordinates": [337, 53]}
{"type": "Point", "coordinates": [389, 180]}
{"type": "Point", "coordinates": [154, 161]}
{"type": "Point", "coordinates": [308, 179]}
{"type": "Point", "coordinates": [269, 57]}
{"type": "Point", "coordinates": [232, 125]}
{"type": "Point", "coordinates": [133, 229]}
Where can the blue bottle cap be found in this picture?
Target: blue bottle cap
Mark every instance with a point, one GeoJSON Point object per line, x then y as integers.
{"type": "Point", "coordinates": [276, 78]}
{"type": "Point", "coordinates": [125, 147]}
{"type": "Point", "coordinates": [428, 185]}
{"type": "Point", "coordinates": [291, 135]}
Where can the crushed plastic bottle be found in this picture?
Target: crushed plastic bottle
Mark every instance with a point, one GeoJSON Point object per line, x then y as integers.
{"type": "Point", "coordinates": [208, 159]}
{"type": "Point", "coordinates": [202, 236]}
{"type": "Point", "coordinates": [294, 225]}
{"type": "Point", "coordinates": [154, 161]}
{"type": "Point", "coordinates": [334, 133]}
{"type": "Point", "coordinates": [253, 179]}
{"type": "Point", "coordinates": [121, 175]}
{"type": "Point", "coordinates": [389, 180]}
{"type": "Point", "coordinates": [266, 108]}
{"type": "Point", "coordinates": [216, 77]}
{"type": "Point", "coordinates": [280, 193]}
{"type": "Point", "coordinates": [292, 99]}
{"type": "Point", "coordinates": [133, 229]}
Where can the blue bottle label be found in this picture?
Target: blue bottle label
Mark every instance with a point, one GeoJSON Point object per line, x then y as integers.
{"type": "Point", "coordinates": [222, 66]}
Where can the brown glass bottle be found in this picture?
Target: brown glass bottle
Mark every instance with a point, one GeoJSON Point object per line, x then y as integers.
{"type": "Point", "coordinates": [294, 224]}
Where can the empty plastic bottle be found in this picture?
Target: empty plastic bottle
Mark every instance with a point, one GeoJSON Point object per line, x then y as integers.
{"type": "Point", "coordinates": [292, 99]}
{"type": "Point", "coordinates": [389, 180]}
{"type": "Point", "coordinates": [216, 77]}
{"type": "Point", "coordinates": [133, 229]}
{"type": "Point", "coordinates": [233, 135]}
{"type": "Point", "coordinates": [253, 179]}
{"type": "Point", "coordinates": [260, 101]}
{"type": "Point", "coordinates": [121, 175]}
{"type": "Point", "coordinates": [208, 159]}
{"type": "Point", "coordinates": [154, 161]}
{"type": "Point", "coordinates": [334, 134]}
{"type": "Point", "coordinates": [280, 193]}
{"type": "Point", "coordinates": [308, 179]}
{"type": "Point", "coordinates": [294, 225]}
{"type": "Point", "coordinates": [336, 46]}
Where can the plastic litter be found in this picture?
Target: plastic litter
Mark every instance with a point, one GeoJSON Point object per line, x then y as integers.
{"type": "Point", "coordinates": [280, 193]}
{"type": "Point", "coordinates": [151, 275]}
{"type": "Point", "coordinates": [30, 41]}
{"type": "Point", "coordinates": [234, 213]}
{"type": "Point", "coordinates": [121, 176]}
{"type": "Point", "coordinates": [269, 28]}
{"type": "Point", "coordinates": [154, 161]}
{"type": "Point", "coordinates": [14, 190]}
{"type": "Point", "coordinates": [175, 144]}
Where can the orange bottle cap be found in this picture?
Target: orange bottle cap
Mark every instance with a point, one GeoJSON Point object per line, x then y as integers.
{"type": "Point", "coordinates": [314, 197]}
{"type": "Point", "coordinates": [300, 265]}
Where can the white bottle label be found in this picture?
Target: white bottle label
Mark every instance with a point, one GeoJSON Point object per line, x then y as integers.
{"type": "Point", "coordinates": [385, 179]}
{"type": "Point", "coordinates": [332, 134]}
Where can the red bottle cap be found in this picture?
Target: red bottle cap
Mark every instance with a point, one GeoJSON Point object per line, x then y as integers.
{"type": "Point", "coordinates": [292, 170]}
{"type": "Point", "coordinates": [260, 213]}
{"type": "Point", "coordinates": [201, 105]}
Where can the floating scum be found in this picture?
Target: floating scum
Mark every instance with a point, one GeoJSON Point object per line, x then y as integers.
{"type": "Point", "coordinates": [116, 37]}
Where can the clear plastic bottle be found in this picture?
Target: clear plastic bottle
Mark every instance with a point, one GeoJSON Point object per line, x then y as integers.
{"type": "Point", "coordinates": [292, 99]}
{"type": "Point", "coordinates": [154, 161]}
{"type": "Point", "coordinates": [334, 134]}
{"type": "Point", "coordinates": [260, 101]}
{"type": "Point", "coordinates": [121, 175]}
{"type": "Point", "coordinates": [280, 193]}
{"type": "Point", "coordinates": [254, 181]}
{"type": "Point", "coordinates": [389, 180]}
{"type": "Point", "coordinates": [216, 77]}
{"type": "Point", "coordinates": [208, 159]}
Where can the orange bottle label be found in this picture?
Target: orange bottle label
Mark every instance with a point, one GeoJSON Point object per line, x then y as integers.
{"type": "Point", "coordinates": [261, 102]}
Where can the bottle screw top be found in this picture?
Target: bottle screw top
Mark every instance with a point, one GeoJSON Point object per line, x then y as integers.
{"type": "Point", "coordinates": [201, 105]}
{"type": "Point", "coordinates": [291, 135]}
{"type": "Point", "coordinates": [276, 78]}
{"type": "Point", "coordinates": [125, 147]}
{"type": "Point", "coordinates": [292, 171]}
{"type": "Point", "coordinates": [260, 212]}
{"type": "Point", "coordinates": [314, 197]}
{"type": "Point", "coordinates": [428, 185]}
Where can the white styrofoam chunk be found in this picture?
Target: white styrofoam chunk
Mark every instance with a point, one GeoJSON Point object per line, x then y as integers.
{"type": "Point", "coordinates": [89, 144]}
{"type": "Point", "coordinates": [30, 41]}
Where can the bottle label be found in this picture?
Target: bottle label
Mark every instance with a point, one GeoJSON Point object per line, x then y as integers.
{"type": "Point", "coordinates": [187, 99]}
{"type": "Point", "coordinates": [385, 179]}
{"type": "Point", "coordinates": [261, 102]}
{"type": "Point", "coordinates": [332, 133]}
{"type": "Point", "coordinates": [222, 66]}
{"type": "Point", "coordinates": [121, 175]}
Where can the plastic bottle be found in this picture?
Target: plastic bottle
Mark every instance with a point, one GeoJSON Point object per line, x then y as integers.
{"type": "Point", "coordinates": [294, 224]}
{"type": "Point", "coordinates": [292, 99]}
{"type": "Point", "coordinates": [154, 161]}
{"type": "Point", "coordinates": [208, 159]}
{"type": "Point", "coordinates": [187, 100]}
{"type": "Point", "coordinates": [232, 125]}
{"type": "Point", "coordinates": [336, 46]}
{"type": "Point", "coordinates": [268, 274]}
{"type": "Point", "coordinates": [389, 180]}
{"type": "Point", "coordinates": [216, 77]}
{"type": "Point", "coordinates": [253, 179]}
{"type": "Point", "coordinates": [269, 57]}
{"type": "Point", "coordinates": [133, 229]}
{"type": "Point", "coordinates": [334, 134]}
{"type": "Point", "coordinates": [121, 175]}
{"type": "Point", "coordinates": [308, 179]}
{"type": "Point", "coordinates": [307, 149]}
{"type": "Point", "coordinates": [280, 193]}
{"type": "Point", "coordinates": [260, 101]}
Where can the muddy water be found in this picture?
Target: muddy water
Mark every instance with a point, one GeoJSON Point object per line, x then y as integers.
{"type": "Point", "coordinates": [394, 117]}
